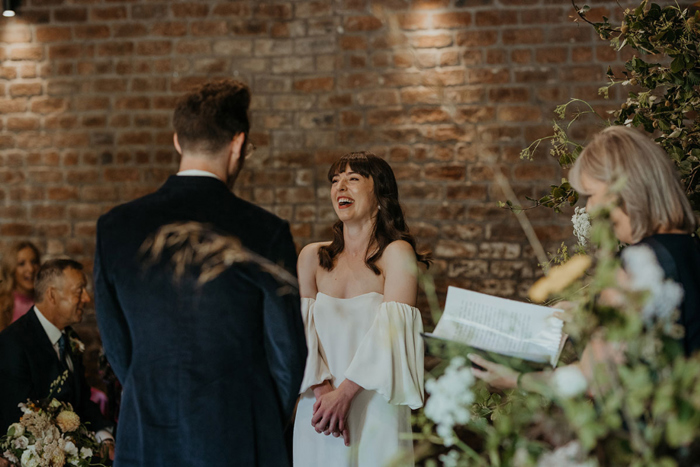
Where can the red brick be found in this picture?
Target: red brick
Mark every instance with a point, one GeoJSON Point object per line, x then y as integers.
{"type": "Point", "coordinates": [353, 43]}
{"type": "Point", "coordinates": [91, 32]}
{"type": "Point", "coordinates": [276, 11]}
{"type": "Point", "coordinates": [315, 84]}
{"type": "Point", "coordinates": [133, 103]}
{"type": "Point", "coordinates": [420, 95]}
{"type": "Point", "coordinates": [108, 13]}
{"type": "Point", "coordinates": [14, 229]}
{"type": "Point", "coordinates": [429, 115]}
{"type": "Point", "coordinates": [521, 113]}
{"type": "Point", "coordinates": [53, 34]}
{"type": "Point", "coordinates": [29, 52]}
{"type": "Point", "coordinates": [583, 54]}
{"type": "Point", "coordinates": [496, 17]}
{"type": "Point", "coordinates": [122, 175]}
{"type": "Point", "coordinates": [522, 36]}
{"type": "Point", "coordinates": [22, 123]}
{"type": "Point", "coordinates": [488, 76]}
{"type": "Point", "coordinates": [25, 89]}
{"type": "Point", "coordinates": [467, 192]}
{"type": "Point", "coordinates": [143, 12]}
{"type": "Point", "coordinates": [48, 105]}
{"type": "Point", "coordinates": [62, 193]}
{"type": "Point", "coordinates": [362, 23]}
{"type": "Point", "coordinates": [477, 38]}
{"type": "Point", "coordinates": [109, 49]}
{"type": "Point", "coordinates": [429, 4]}
{"type": "Point", "coordinates": [502, 94]}
{"type": "Point", "coordinates": [189, 10]}
{"type": "Point", "coordinates": [452, 20]}
{"type": "Point", "coordinates": [52, 212]}
{"type": "Point", "coordinates": [84, 211]}
{"type": "Point", "coordinates": [154, 48]}
{"type": "Point", "coordinates": [431, 40]}
{"type": "Point", "coordinates": [70, 15]}
{"type": "Point", "coordinates": [413, 21]}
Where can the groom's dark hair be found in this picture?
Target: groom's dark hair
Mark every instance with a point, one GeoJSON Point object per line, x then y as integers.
{"type": "Point", "coordinates": [208, 118]}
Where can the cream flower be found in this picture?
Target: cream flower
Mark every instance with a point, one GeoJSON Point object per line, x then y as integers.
{"type": "Point", "coordinates": [70, 448]}
{"type": "Point", "coordinates": [68, 421]}
{"type": "Point", "coordinates": [19, 429]}
{"type": "Point", "coordinates": [30, 458]}
{"type": "Point", "coordinates": [568, 381]}
{"type": "Point", "coordinates": [85, 453]}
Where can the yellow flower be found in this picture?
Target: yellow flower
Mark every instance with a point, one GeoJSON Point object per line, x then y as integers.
{"type": "Point", "coordinates": [68, 421]}
{"type": "Point", "coordinates": [559, 278]}
{"type": "Point", "coordinates": [58, 458]}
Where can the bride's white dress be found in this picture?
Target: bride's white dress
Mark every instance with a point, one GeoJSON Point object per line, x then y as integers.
{"type": "Point", "coordinates": [378, 346]}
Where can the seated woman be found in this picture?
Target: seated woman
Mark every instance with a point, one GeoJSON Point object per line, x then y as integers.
{"type": "Point", "coordinates": [653, 210]}
{"type": "Point", "coordinates": [18, 269]}
{"type": "Point", "coordinates": [365, 367]}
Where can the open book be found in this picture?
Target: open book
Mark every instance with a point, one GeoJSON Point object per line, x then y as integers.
{"type": "Point", "coordinates": [507, 327]}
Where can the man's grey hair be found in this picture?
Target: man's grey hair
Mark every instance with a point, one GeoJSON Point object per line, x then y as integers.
{"type": "Point", "coordinates": [49, 272]}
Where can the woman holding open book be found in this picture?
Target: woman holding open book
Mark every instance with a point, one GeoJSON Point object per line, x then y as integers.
{"type": "Point", "coordinates": [652, 210]}
{"type": "Point", "coordinates": [365, 367]}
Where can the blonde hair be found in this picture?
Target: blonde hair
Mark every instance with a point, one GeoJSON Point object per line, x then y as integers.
{"type": "Point", "coordinates": [8, 265]}
{"type": "Point", "coordinates": [652, 195]}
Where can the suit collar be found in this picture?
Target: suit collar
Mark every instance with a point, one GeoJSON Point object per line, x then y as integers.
{"type": "Point", "coordinates": [52, 332]}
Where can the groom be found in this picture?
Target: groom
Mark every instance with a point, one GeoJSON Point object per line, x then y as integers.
{"type": "Point", "coordinates": [210, 373]}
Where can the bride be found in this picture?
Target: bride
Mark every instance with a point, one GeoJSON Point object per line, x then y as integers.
{"type": "Point", "coordinates": [365, 367]}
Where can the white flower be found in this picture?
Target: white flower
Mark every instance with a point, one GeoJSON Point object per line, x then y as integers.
{"type": "Point", "coordinates": [450, 399]}
{"type": "Point", "coordinates": [19, 429]}
{"type": "Point", "coordinates": [20, 443]}
{"type": "Point", "coordinates": [10, 457]}
{"type": "Point", "coordinates": [645, 273]}
{"type": "Point", "coordinates": [568, 455]}
{"type": "Point", "coordinates": [54, 404]}
{"type": "Point", "coordinates": [70, 448]}
{"type": "Point", "coordinates": [582, 225]}
{"type": "Point", "coordinates": [23, 407]}
{"type": "Point", "coordinates": [568, 381]}
{"type": "Point", "coordinates": [30, 458]}
{"type": "Point", "coordinates": [451, 459]}
{"type": "Point", "coordinates": [85, 453]}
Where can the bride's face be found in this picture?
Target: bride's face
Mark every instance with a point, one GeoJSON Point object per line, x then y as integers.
{"type": "Point", "coordinates": [353, 197]}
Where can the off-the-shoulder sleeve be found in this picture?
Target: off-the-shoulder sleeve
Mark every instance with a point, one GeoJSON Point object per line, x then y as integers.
{"type": "Point", "coordinates": [316, 370]}
{"type": "Point", "coordinates": [389, 359]}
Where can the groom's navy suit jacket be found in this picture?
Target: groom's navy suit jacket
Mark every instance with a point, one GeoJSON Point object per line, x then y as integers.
{"type": "Point", "coordinates": [28, 366]}
{"type": "Point", "coordinates": [210, 374]}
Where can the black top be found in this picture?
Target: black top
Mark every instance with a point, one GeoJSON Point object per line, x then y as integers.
{"type": "Point", "coordinates": [679, 256]}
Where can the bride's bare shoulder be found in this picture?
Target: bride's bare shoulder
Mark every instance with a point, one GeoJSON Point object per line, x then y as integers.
{"type": "Point", "coordinates": [308, 257]}
{"type": "Point", "coordinates": [307, 265]}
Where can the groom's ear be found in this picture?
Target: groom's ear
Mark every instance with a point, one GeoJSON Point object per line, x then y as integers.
{"type": "Point", "coordinates": [236, 147]}
{"type": "Point", "coordinates": [176, 142]}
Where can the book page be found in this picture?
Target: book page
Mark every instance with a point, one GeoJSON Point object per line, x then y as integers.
{"type": "Point", "coordinates": [499, 325]}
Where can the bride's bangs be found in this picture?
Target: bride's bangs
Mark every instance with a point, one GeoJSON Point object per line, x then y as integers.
{"type": "Point", "coordinates": [358, 162]}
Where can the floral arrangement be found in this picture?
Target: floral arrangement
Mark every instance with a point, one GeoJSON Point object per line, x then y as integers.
{"type": "Point", "coordinates": [640, 406]}
{"type": "Point", "coordinates": [49, 434]}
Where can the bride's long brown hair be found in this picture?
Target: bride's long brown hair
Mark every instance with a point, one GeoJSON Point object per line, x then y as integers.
{"type": "Point", "coordinates": [389, 225]}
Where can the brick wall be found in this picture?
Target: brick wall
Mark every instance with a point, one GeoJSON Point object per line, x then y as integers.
{"type": "Point", "coordinates": [445, 90]}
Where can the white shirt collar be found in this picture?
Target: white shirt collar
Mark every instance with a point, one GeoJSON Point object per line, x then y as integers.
{"type": "Point", "coordinates": [197, 173]}
{"type": "Point", "coordinates": [52, 331]}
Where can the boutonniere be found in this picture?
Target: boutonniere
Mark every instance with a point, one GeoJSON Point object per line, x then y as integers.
{"type": "Point", "coordinates": [76, 345]}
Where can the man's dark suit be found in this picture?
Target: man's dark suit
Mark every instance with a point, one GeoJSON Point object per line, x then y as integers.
{"type": "Point", "coordinates": [28, 366]}
{"type": "Point", "coordinates": [210, 374]}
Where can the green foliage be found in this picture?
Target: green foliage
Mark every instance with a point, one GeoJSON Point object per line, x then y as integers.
{"type": "Point", "coordinates": [663, 78]}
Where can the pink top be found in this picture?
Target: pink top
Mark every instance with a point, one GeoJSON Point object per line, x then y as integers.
{"type": "Point", "coordinates": [22, 305]}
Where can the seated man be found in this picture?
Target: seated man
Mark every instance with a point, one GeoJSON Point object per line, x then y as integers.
{"type": "Point", "coordinates": [37, 348]}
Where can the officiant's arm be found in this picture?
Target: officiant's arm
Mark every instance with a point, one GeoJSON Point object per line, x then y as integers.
{"type": "Point", "coordinates": [114, 329]}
